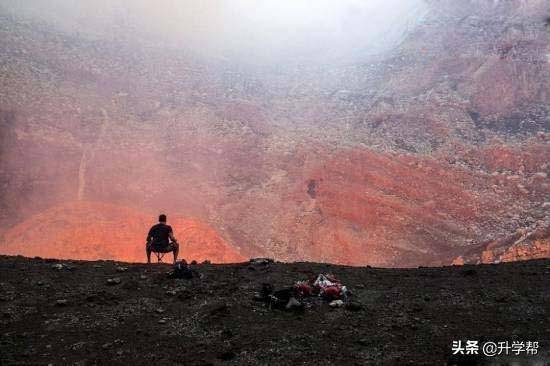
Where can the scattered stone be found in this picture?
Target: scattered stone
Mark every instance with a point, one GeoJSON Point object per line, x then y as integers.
{"type": "Point", "coordinates": [130, 285]}
{"type": "Point", "coordinates": [336, 304]}
{"type": "Point", "coordinates": [293, 303]}
{"type": "Point", "coordinates": [171, 292]}
{"type": "Point", "coordinates": [59, 266]}
{"type": "Point", "coordinates": [162, 321]}
{"type": "Point", "coordinates": [354, 306]}
{"type": "Point", "coordinates": [227, 333]}
{"type": "Point", "coordinates": [107, 345]}
{"type": "Point", "coordinates": [77, 346]}
{"type": "Point", "coordinates": [220, 308]}
{"type": "Point", "coordinates": [143, 277]}
{"type": "Point", "coordinates": [121, 269]}
{"type": "Point", "coordinates": [504, 297]}
{"type": "Point", "coordinates": [261, 261]}
{"type": "Point", "coordinates": [113, 281]}
{"type": "Point", "coordinates": [227, 356]}
{"type": "Point", "coordinates": [61, 302]}
{"type": "Point", "coordinates": [160, 310]}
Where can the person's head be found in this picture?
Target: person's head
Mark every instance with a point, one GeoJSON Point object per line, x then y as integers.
{"type": "Point", "coordinates": [162, 218]}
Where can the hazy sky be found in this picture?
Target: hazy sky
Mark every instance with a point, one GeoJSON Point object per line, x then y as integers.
{"type": "Point", "coordinates": [262, 29]}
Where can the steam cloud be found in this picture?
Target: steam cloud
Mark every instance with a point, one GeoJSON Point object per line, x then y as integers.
{"type": "Point", "coordinates": [262, 30]}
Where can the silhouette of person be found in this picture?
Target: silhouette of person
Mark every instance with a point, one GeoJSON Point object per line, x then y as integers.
{"type": "Point", "coordinates": [160, 239]}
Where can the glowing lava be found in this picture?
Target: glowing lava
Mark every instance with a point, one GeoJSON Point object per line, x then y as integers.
{"type": "Point", "coordinates": [90, 230]}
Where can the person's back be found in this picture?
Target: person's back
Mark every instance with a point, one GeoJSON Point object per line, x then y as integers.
{"type": "Point", "coordinates": [158, 239]}
{"type": "Point", "coordinates": [160, 234]}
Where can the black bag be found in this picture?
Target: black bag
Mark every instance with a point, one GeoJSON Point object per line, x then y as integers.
{"type": "Point", "coordinates": [182, 270]}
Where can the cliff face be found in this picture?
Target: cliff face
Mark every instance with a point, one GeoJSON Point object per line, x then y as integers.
{"type": "Point", "coordinates": [522, 245]}
{"type": "Point", "coordinates": [417, 156]}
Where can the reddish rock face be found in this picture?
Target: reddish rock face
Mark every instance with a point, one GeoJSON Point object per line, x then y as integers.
{"type": "Point", "coordinates": [396, 207]}
{"type": "Point", "coordinates": [88, 230]}
{"type": "Point", "coordinates": [536, 249]}
{"type": "Point", "coordinates": [522, 245]}
{"type": "Point", "coordinates": [421, 156]}
{"type": "Point", "coordinates": [362, 207]}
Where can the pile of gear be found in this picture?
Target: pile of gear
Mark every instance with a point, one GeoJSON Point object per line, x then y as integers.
{"type": "Point", "coordinates": [182, 270]}
{"type": "Point", "coordinates": [323, 288]}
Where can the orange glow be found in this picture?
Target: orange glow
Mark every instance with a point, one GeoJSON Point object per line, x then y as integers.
{"type": "Point", "coordinates": [90, 231]}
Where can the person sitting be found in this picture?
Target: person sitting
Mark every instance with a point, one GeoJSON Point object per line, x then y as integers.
{"type": "Point", "coordinates": [160, 239]}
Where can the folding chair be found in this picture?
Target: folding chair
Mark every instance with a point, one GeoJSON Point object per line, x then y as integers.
{"type": "Point", "coordinates": [160, 252]}
{"type": "Point", "coordinates": [159, 256]}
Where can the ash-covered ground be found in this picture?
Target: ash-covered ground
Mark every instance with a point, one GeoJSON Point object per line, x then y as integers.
{"type": "Point", "coordinates": [111, 313]}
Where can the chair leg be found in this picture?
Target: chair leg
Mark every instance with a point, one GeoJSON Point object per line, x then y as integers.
{"type": "Point", "coordinates": [159, 257]}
